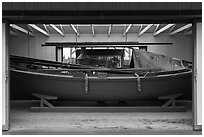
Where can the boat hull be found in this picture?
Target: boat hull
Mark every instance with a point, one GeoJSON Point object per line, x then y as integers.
{"type": "Point", "coordinates": [112, 88]}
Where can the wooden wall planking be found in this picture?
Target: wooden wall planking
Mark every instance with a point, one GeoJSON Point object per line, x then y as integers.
{"type": "Point", "coordinates": [98, 6]}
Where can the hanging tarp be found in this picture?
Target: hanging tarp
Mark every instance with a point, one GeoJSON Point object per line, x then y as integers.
{"type": "Point", "coordinates": [144, 59]}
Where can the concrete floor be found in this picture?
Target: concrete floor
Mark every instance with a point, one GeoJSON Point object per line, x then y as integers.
{"type": "Point", "coordinates": [22, 121]}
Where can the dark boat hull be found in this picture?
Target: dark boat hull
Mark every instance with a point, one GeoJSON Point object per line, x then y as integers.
{"type": "Point", "coordinates": [113, 88]}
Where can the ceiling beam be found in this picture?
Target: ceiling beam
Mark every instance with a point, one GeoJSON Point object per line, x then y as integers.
{"type": "Point", "coordinates": [102, 44]}
{"type": "Point", "coordinates": [172, 28]}
{"type": "Point", "coordinates": [163, 29]}
{"type": "Point", "coordinates": [75, 30]}
{"type": "Point", "coordinates": [141, 25]}
{"type": "Point", "coordinates": [127, 29]}
{"type": "Point", "coordinates": [145, 29]}
{"type": "Point", "coordinates": [93, 31]}
{"type": "Point", "coordinates": [46, 29]}
{"type": "Point", "coordinates": [109, 30]}
{"type": "Point", "coordinates": [21, 29]}
{"type": "Point", "coordinates": [31, 29]}
{"type": "Point", "coordinates": [180, 29]}
{"type": "Point", "coordinates": [98, 25]}
{"type": "Point", "coordinates": [78, 29]}
{"type": "Point", "coordinates": [57, 29]}
{"type": "Point", "coordinates": [62, 28]}
{"type": "Point", "coordinates": [39, 29]}
{"type": "Point", "coordinates": [157, 26]}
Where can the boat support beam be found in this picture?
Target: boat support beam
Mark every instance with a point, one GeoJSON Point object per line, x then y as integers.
{"type": "Point", "coordinates": [44, 100]}
{"type": "Point", "coordinates": [171, 100]}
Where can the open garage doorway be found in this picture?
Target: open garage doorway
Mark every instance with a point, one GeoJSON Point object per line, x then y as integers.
{"type": "Point", "coordinates": [33, 39]}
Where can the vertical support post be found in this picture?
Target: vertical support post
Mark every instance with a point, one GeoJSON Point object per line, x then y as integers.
{"type": "Point", "coordinates": [5, 76]}
{"type": "Point", "coordinates": [197, 76]}
{"type": "Point", "coordinates": [59, 54]}
{"type": "Point", "coordinates": [71, 56]}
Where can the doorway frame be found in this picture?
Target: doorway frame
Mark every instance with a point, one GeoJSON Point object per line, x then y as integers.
{"type": "Point", "coordinates": [194, 91]}
{"type": "Point", "coordinates": [196, 127]}
{"type": "Point", "coordinates": [6, 75]}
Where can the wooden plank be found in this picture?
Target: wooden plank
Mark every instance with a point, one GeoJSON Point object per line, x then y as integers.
{"type": "Point", "coordinates": [180, 29]}
{"type": "Point", "coordinates": [39, 29]}
{"type": "Point", "coordinates": [101, 44]}
{"type": "Point", "coordinates": [167, 103]}
{"type": "Point", "coordinates": [170, 96]}
{"type": "Point", "coordinates": [163, 29]}
{"type": "Point", "coordinates": [48, 103]}
{"type": "Point", "coordinates": [145, 29]}
{"type": "Point", "coordinates": [44, 96]}
{"type": "Point", "coordinates": [108, 109]}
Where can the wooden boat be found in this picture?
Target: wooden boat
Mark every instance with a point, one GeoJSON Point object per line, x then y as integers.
{"type": "Point", "coordinates": [149, 76]}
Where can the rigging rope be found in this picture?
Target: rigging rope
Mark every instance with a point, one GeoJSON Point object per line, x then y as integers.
{"type": "Point", "coordinates": [138, 82]}
{"type": "Point", "coordinates": [86, 83]}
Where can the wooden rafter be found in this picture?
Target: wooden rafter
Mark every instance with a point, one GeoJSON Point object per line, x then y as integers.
{"type": "Point", "coordinates": [109, 30]}
{"type": "Point", "coordinates": [31, 29]}
{"type": "Point", "coordinates": [57, 29]}
{"type": "Point", "coordinates": [46, 29]}
{"type": "Point", "coordinates": [78, 30]}
{"type": "Point", "coordinates": [127, 29]}
{"type": "Point", "coordinates": [39, 29]}
{"type": "Point", "coordinates": [145, 29]}
{"type": "Point", "coordinates": [157, 26]}
{"type": "Point", "coordinates": [93, 30]}
{"type": "Point", "coordinates": [21, 29]}
{"type": "Point", "coordinates": [62, 28]}
{"type": "Point", "coordinates": [180, 29]}
{"type": "Point", "coordinates": [172, 28]}
{"type": "Point", "coordinates": [163, 29]}
{"type": "Point", "coordinates": [141, 25]}
{"type": "Point", "coordinates": [75, 30]}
